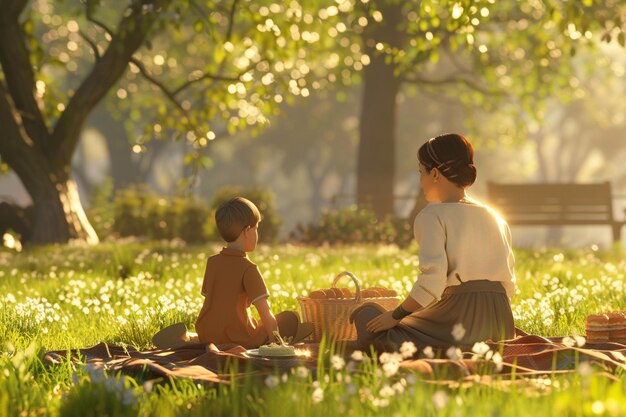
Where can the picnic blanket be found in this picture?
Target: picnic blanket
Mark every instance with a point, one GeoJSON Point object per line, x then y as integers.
{"type": "Point", "coordinates": [527, 355]}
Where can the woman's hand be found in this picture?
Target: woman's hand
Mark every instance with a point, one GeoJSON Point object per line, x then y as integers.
{"type": "Point", "coordinates": [382, 322]}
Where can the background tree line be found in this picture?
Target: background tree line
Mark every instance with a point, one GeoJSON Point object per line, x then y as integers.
{"type": "Point", "coordinates": [200, 71]}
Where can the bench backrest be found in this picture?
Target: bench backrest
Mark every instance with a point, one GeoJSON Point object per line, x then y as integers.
{"type": "Point", "coordinates": [553, 203]}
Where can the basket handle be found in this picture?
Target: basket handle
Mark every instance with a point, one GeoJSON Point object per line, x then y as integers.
{"type": "Point", "coordinates": [357, 284]}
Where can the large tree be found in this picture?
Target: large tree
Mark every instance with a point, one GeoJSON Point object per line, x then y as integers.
{"type": "Point", "coordinates": [198, 69]}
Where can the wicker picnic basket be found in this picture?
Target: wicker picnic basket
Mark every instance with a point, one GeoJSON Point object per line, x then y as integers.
{"type": "Point", "coordinates": [330, 316]}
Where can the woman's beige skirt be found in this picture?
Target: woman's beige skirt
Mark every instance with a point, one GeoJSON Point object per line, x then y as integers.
{"type": "Point", "coordinates": [471, 312]}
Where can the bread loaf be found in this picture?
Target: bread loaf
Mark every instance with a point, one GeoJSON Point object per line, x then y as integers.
{"type": "Point", "coordinates": [375, 292]}
{"type": "Point", "coordinates": [597, 328]}
{"type": "Point", "coordinates": [606, 327]}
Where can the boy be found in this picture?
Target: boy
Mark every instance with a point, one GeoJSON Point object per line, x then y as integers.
{"type": "Point", "coordinates": [232, 283]}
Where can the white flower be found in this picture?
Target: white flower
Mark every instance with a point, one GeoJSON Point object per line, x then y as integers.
{"type": "Point", "coordinates": [408, 349]}
{"type": "Point", "coordinates": [440, 399]}
{"type": "Point", "coordinates": [454, 353]}
{"type": "Point", "coordinates": [380, 402]}
{"type": "Point", "coordinates": [458, 331]}
{"type": "Point", "coordinates": [318, 395]}
{"type": "Point", "coordinates": [302, 372]}
{"type": "Point", "coordinates": [580, 341]}
{"type": "Point", "coordinates": [337, 362]}
{"type": "Point", "coordinates": [428, 352]}
{"type": "Point", "coordinates": [271, 381]}
{"type": "Point", "coordinates": [569, 341]}
{"type": "Point", "coordinates": [357, 355]}
{"type": "Point", "coordinates": [390, 362]}
{"type": "Point", "coordinates": [386, 391]}
{"type": "Point", "coordinates": [497, 360]}
{"type": "Point", "coordinates": [399, 387]}
{"type": "Point", "coordinates": [387, 357]}
{"type": "Point", "coordinates": [391, 368]}
{"type": "Point", "coordinates": [480, 348]}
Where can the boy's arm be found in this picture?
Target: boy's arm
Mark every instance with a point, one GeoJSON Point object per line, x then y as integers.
{"type": "Point", "coordinates": [268, 321]}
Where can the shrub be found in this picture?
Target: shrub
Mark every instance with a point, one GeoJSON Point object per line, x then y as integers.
{"type": "Point", "coordinates": [355, 225]}
{"type": "Point", "coordinates": [263, 199]}
{"type": "Point", "coordinates": [140, 212]}
{"type": "Point", "coordinates": [193, 219]}
{"type": "Point", "coordinates": [161, 218]}
{"type": "Point", "coordinates": [129, 210]}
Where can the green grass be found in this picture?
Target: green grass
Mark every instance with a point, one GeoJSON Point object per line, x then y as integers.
{"type": "Point", "coordinates": [66, 297]}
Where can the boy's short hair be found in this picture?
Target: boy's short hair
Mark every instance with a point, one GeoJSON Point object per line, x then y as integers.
{"type": "Point", "coordinates": [234, 216]}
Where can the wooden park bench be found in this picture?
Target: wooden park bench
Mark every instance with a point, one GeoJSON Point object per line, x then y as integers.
{"type": "Point", "coordinates": [555, 204]}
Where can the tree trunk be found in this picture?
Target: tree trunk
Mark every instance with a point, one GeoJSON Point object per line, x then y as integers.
{"type": "Point", "coordinates": [58, 214]}
{"type": "Point", "coordinates": [124, 170]}
{"type": "Point", "coordinates": [376, 155]}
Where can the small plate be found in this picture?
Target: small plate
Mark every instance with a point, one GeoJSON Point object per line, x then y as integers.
{"type": "Point", "coordinates": [255, 354]}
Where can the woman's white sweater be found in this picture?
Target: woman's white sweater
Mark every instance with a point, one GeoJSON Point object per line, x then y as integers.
{"type": "Point", "coordinates": [459, 242]}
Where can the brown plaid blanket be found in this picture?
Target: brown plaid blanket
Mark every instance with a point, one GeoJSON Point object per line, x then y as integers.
{"type": "Point", "coordinates": [523, 356]}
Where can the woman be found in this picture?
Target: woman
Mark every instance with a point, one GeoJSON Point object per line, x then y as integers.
{"type": "Point", "coordinates": [466, 277]}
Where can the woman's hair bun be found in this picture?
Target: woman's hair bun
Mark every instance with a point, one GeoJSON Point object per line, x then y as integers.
{"type": "Point", "coordinates": [466, 174]}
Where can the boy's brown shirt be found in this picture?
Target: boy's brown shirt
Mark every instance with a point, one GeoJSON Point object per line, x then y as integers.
{"type": "Point", "coordinates": [231, 283]}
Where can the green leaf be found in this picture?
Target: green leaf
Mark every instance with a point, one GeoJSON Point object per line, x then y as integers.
{"type": "Point", "coordinates": [620, 39]}
{"type": "Point", "coordinates": [205, 162]}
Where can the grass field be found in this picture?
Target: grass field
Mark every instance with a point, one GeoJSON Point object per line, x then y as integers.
{"type": "Point", "coordinates": [69, 297]}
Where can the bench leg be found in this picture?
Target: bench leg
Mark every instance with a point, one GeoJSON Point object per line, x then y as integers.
{"type": "Point", "coordinates": [617, 232]}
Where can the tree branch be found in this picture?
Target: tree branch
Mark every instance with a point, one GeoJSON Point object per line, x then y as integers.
{"type": "Point", "coordinates": [132, 31]}
{"type": "Point", "coordinates": [231, 21]}
{"type": "Point", "coordinates": [92, 45]}
{"type": "Point", "coordinates": [206, 76]}
{"type": "Point", "coordinates": [169, 94]}
{"type": "Point", "coordinates": [90, 17]}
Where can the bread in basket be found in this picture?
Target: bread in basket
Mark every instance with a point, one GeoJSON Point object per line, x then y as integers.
{"type": "Point", "coordinates": [329, 309]}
